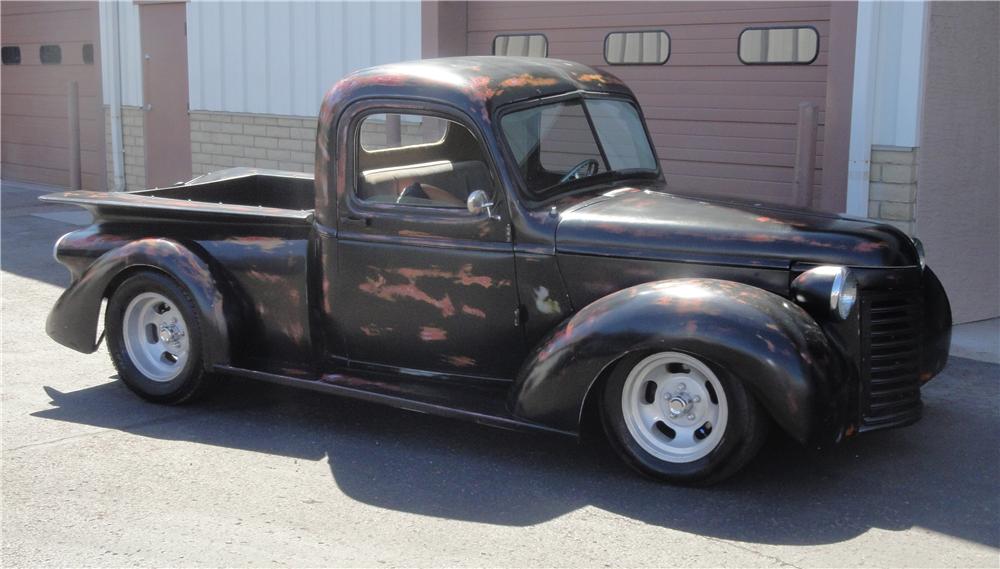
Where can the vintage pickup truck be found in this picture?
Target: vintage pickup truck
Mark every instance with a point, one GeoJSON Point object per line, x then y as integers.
{"type": "Point", "coordinates": [492, 239]}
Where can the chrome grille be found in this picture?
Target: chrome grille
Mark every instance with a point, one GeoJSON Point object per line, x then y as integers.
{"type": "Point", "coordinates": [890, 327]}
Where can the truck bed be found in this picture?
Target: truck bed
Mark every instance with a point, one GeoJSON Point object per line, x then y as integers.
{"type": "Point", "coordinates": [238, 192]}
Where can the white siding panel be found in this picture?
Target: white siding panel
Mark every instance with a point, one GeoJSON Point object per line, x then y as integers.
{"type": "Point", "coordinates": [359, 37]}
{"type": "Point", "coordinates": [898, 73]}
{"type": "Point", "coordinates": [304, 77]}
{"type": "Point", "coordinates": [232, 55]}
{"type": "Point", "coordinates": [279, 58]}
{"type": "Point", "coordinates": [331, 42]}
{"type": "Point", "coordinates": [131, 52]}
{"type": "Point", "coordinates": [209, 26]}
{"type": "Point", "coordinates": [254, 57]}
{"type": "Point", "coordinates": [195, 93]}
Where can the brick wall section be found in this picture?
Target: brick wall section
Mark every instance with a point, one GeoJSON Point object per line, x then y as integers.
{"type": "Point", "coordinates": [133, 146]}
{"type": "Point", "coordinates": [892, 190]}
{"type": "Point", "coordinates": [227, 140]}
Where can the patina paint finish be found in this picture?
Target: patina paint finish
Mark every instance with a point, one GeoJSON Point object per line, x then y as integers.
{"type": "Point", "coordinates": [73, 320]}
{"type": "Point", "coordinates": [654, 224]}
{"type": "Point", "coordinates": [476, 86]}
{"type": "Point", "coordinates": [511, 319]}
{"type": "Point", "coordinates": [781, 352]}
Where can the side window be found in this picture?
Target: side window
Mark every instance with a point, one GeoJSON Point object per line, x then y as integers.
{"type": "Point", "coordinates": [524, 45]}
{"type": "Point", "coordinates": [419, 160]}
{"type": "Point", "coordinates": [779, 46]}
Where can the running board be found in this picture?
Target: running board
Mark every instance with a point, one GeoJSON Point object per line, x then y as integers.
{"type": "Point", "coordinates": [484, 403]}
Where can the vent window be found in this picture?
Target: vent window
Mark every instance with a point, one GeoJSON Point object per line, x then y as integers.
{"type": "Point", "coordinates": [637, 48]}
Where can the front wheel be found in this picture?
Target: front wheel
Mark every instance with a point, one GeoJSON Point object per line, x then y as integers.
{"type": "Point", "coordinates": [154, 338]}
{"type": "Point", "coordinates": [674, 417]}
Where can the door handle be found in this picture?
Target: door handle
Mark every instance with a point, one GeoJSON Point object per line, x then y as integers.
{"type": "Point", "coordinates": [362, 220]}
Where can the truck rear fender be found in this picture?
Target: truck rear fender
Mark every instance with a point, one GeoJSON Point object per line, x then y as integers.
{"type": "Point", "coordinates": [74, 318]}
{"type": "Point", "coordinates": [762, 339]}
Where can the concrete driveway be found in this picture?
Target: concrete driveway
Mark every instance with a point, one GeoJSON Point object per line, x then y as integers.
{"type": "Point", "coordinates": [267, 476]}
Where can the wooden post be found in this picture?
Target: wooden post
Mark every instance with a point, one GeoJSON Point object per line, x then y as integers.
{"type": "Point", "coordinates": [75, 175]}
{"type": "Point", "coordinates": [805, 154]}
{"type": "Point", "coordinates": [393, 131]}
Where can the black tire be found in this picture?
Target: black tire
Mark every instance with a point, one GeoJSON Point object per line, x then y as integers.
{"type": "Point", "coordinates": [745, 432]}
{"type": "Point", "coordinates": [192, 381]}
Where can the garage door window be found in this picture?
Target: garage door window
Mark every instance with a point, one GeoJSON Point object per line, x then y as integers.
{"type": "Point", "coordinates": [527, 45]}
{"type": "Point", "coordinates": [779, 46]}
{"type": "Point", "coordinates": [11, 55]}
{"type": "Point", "coordinates": [637, 48]}
{"type": "Point", "coordinates": [50, 54]}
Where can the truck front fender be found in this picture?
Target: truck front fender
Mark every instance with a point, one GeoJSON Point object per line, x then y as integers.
{"type": "Point", "coordinates": [769, 343]}
{"type": "Point", "coordinates": [73, 320]}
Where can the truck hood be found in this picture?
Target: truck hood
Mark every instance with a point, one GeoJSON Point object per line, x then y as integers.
{"type": "Point", "coordinates": [651, 224]}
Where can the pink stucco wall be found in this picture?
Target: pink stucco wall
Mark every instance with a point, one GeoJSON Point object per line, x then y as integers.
{"type": "Point", "coordinates": [958, 209]}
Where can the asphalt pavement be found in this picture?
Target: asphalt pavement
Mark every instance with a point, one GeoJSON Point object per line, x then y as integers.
{"type": "Point", "coordinates": [261, 475]}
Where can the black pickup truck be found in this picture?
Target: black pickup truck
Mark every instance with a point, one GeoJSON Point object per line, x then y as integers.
{"type": "Point", "coordinates": [492, 239]}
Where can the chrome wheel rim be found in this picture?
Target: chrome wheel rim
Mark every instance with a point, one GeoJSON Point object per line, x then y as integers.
{"type": "Point", "coordinates": [674, 407]}
{"type": "Point", "coordinates": [156, 337]}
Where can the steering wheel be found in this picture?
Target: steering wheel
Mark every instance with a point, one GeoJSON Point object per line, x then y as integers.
{"type": "Point", "coordinates": [413, 191]}
{"type": "Point", "coordinates": [574, 173]}
{"type": "Point", "coordinates": [429, 195]}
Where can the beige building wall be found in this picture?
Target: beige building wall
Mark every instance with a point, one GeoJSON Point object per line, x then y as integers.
{"type": "Point", "coordinates": [226, 140]}
{"type": "Point", "coordinates": [957, 206]}
{"type": "Point", "coordinates": [892, 189]}
{"type": "Point", "coordinates": [133, 147]}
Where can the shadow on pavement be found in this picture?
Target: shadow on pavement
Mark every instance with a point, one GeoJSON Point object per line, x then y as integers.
{"type": "Point", "coordinates": [26, 241]}
{"type": "Point", "coordinates": [939, 474]}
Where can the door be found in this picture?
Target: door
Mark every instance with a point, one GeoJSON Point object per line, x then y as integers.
{"type": "Point", "coordinates": [719, 126]}
{"type": "Point", "coordinates": [423, 284]}
{"type": "Point", "coordinates": [167, 129]}
{"type": "Point", "coordinates": [46, 46]}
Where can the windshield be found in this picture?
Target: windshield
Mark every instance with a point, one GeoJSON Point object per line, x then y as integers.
{"type": "Point", "coordinates": [558, 144]}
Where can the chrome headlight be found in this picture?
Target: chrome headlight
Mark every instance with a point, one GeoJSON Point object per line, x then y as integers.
{"type": "Point", "coordinates": [919, 246]}
{"type": "Point", "coordinates": [844, 293]}
{"type": "Point", "coordinates": [829, 289]}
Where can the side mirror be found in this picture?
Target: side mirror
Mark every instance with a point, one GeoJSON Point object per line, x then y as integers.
{"type": "Point", "coordinates": [479, 201]}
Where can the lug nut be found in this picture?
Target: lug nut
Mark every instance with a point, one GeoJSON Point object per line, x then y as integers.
{"type": "Point", "coordinates": [697, 399]}
{"type": "Point", "coordinates": [691, 417]}
{"type": "Point", "coordinates": [682, 387]}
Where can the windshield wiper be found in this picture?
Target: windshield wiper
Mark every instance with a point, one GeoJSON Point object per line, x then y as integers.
{"type": "Point", "coordinates": [602, 177]}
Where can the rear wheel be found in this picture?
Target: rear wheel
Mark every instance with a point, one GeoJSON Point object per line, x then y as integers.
{"type": "Point", "coordinates": [674, 417]}
{"type": "Point", "coordinates": [154, 337]}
